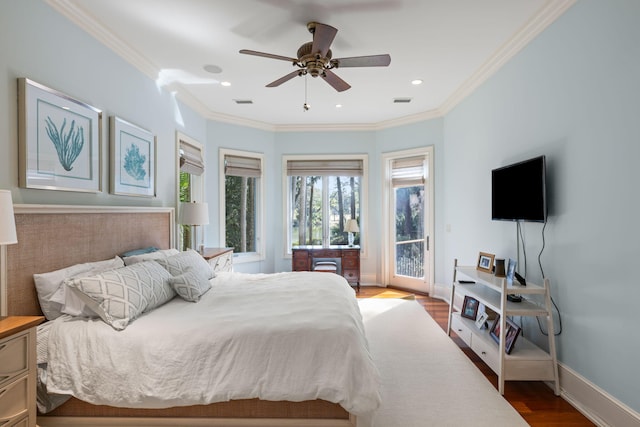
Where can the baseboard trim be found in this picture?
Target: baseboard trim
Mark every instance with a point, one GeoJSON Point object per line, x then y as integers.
{"type": "Point", "coordinates": [594, 403]}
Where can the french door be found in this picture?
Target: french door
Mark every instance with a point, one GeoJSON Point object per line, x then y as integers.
{"type": "Point", "coordinates": [408, 254]}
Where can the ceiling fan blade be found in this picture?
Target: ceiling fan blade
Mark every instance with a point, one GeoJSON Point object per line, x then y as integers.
{"type": "Point", "coordinates": [335, 81]}
{"type": "Point", "coordinates": [285, 78]}
{"type": "Point", "coordinates": [268, 55]}
{"type": "Point", "coordinates": [363, 61]}
{"type": "Point", "coordinates": [323, 36]}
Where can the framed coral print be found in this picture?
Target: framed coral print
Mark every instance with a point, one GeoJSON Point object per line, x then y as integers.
{"type": "Point", "coordinates": [59, 140]}
{"type": "Point", "coordinates": [133, 159]}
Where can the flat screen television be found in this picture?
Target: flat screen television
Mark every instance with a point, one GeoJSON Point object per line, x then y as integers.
{"type": "Point", "coordinates": [518, 191]}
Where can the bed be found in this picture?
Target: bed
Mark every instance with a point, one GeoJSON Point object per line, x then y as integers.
{"type": "Point", "coordinates": [53, 237]}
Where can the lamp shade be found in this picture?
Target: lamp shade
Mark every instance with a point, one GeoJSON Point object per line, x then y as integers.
{"type": "Point", "coordinates": [352, 226]}
{"type": "Point", "coordinates": [194, 213]}
{"type": "Point", "coordinates": [7, 220]}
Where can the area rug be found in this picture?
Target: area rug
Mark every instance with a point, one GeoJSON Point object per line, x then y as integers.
{"type": "Point", "coordinates": [426, 380]}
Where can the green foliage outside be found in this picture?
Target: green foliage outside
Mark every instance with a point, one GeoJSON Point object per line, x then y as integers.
{"type": "Point", "coordinates": [240, 207]}
{"type": "Point", "coordinates": [185, 197]}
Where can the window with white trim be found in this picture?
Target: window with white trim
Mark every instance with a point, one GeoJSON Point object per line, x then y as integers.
{"type": "Point", "coordinates": [190, 181]}
{"type": "Point", "coordinates": [323, 193]}
{"type": "Point", "coordinates": [241, 195]}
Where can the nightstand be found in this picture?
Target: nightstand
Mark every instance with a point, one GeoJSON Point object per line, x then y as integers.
{"type": "Point", "coordinates": [18, 370]}
{"type": "Point", "coordinates": [221, 259]}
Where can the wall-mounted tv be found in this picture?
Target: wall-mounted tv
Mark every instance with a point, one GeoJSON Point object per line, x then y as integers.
{"type": "Point", "coordinates": [518, 191]}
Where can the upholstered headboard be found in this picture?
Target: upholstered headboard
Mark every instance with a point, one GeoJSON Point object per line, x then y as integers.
{"type": "Point", "coordinates": [53, 237]}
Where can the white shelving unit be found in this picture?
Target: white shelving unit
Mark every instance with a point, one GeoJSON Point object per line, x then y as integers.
{"type": "Point", "coordinates": [526, 360]}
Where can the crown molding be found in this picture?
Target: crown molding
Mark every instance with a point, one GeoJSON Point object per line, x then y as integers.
{"type": "Point", "coordinates": [89, 24]}
{"type": "Point", "coordinates": [538, 23]}
{"type": "Point", "coordinates": [530, 30]}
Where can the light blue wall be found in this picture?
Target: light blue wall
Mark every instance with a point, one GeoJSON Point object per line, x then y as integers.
{"type": "Point", "coordinates": [40, 44]}
{"type": "Point", "coordinates": [573, 94]}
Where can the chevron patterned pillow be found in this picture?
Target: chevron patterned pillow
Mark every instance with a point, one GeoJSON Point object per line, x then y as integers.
{"type": "Point", "coordinates": [191, 284]}
{"type": "Point", "coordinates": [119, 296]}
{"type": "Point", "coordinates": [180, 263]}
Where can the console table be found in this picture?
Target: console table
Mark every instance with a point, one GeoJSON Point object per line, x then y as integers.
{"type": "Point", "coordinates": [347, 259]}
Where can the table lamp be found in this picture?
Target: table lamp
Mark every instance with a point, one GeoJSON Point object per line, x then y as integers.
{"type": "Point", "coordinates": [351, 227]}
{"type": "Point", "coordinates": [194, 214]}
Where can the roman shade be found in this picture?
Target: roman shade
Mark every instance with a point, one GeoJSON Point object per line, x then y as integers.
{"type": "Point", "coordinates": [408, 171]}
{"type": "Point", "coordinates": [250, 167]}
{"type": "Point", "coordinates": [335, 167]}
{"type": "Point", "coordinates": [191, 159]}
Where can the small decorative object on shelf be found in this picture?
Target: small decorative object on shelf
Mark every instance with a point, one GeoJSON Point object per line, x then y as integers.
{"type": "Point", "coordinates": [500, 267]}
{"type": "Point", "coordinates": [485, 262]}
{"type": "Point", "coordinates": [470, 308]}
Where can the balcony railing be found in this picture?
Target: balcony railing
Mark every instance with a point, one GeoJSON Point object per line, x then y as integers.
{"type": "Point", "coordinates": [410, 258]}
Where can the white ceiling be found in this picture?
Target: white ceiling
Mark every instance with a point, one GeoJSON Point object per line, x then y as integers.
{"type": "Point", "coordinates": [452, 45]}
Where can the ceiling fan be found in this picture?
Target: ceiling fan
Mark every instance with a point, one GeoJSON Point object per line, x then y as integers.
{"type": "Point", "coordinates": [315, 58]}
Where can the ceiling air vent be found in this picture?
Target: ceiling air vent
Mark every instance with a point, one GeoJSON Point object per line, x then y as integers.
{"type": "Point", "coordinates": [401, 100]}
{"type": "Point", "coordinates": [243, 101]}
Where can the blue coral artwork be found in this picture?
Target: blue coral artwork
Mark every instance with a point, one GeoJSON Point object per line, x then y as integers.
{"type": "Point", "coordinates": [132, 159]}
{"type": "Point", "coordinates": [59, 140]}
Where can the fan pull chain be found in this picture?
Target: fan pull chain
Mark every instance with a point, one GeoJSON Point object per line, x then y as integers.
{"type": "Point", "coordinates": [306, 106]}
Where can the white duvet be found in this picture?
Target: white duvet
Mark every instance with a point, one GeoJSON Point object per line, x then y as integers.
{"type": "Point", "coordinates": [284, 336]}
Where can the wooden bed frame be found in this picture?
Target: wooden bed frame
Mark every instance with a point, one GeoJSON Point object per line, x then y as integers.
{"type": "Point", "coordinates": [51, 237]}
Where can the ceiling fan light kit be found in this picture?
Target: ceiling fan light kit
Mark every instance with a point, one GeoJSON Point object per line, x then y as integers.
{"type": "Point", "coordinates": [316, 59]}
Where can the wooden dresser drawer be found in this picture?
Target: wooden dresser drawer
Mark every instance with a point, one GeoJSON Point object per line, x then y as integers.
{"type": "Point", "coordinates": [350, 263]}
{"type": "Point", "coordinates": [351, 253]}
{"type": "Point", "coordinates": [14, 401]}
{"type": "Point", "coordinates": [14, 353]}
{"type": "Point", "coordinates": [352, 276]}
{"type": "Point", "coordinates": [300, 264]}
{"type": "Point", "coordinates": [22, 423]}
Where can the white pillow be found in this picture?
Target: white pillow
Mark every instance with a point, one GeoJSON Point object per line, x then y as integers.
{"type": "Point", "coordinates": [119, 296]}
{"type": "Point", "coordinates": [52, 294]}
{"type": "Point", "coordinates": [151, 256]}
{"type": "Point", "coordinates": [183, 261]}
{"type": "Point", "coordinates": [191, 285]}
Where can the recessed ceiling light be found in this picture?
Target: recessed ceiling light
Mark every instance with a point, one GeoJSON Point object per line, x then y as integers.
{"type": "Point", "coordinates": [225, 84]}
{"type": "Point", "coordinates": [416, 82]}
{"type": "Point", "coordinates": [214, 69]}
{"type": "Point", "coordinates": [338, 105]}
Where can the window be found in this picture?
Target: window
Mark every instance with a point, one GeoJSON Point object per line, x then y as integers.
{"type": "Point", "coordinates": [322, 194]}
{"type": "Point", "coordinates": [190, 182]}
{"type": "Point", "coordinates": [241, 207]}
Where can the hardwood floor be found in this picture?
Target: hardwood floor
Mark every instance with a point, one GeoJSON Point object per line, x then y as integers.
{"type": "Point", "coordinates": [534, 400]}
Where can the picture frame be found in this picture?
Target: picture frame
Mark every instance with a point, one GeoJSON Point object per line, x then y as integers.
{"type": "Point", "coordinates": [512, 331]}
{"type": "Point", "coordinates": [59, 140]}
{"type": "Point", "coordinates": [511, 270]}
{"type": "Point", "coordinates": [494, 332]}
{"type": "Point", "coordinates": [470, 307]}
{"type": "Point", "coordinates": [132, 159]}
{"type": "Point", "coordinates": [510, 336]}
{"type": "Point", "coordinates": [485, 262]}
{"type": "Point", "coordinates": [481, 320]}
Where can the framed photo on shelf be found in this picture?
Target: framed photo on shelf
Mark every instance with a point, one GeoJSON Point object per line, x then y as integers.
{"type": "Point", "coordinates": [133, 159]}
{"type": "Point", "coordinates": [511, 271]}
{"type": "Point", "coordinates": [485, 262]}
{"type": "Point", "coordinates": [510, 336]}
{"type": "Point", "coordinates": [59, 140]}
{"type": "Point", "coordinates": [495, 330]}
{"type": "Point", "coordinates": [511, 333]}
{"type": "Point", "coordinates": [481, 320]}
{"type": "Point", "coordinates": [470, 307]}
